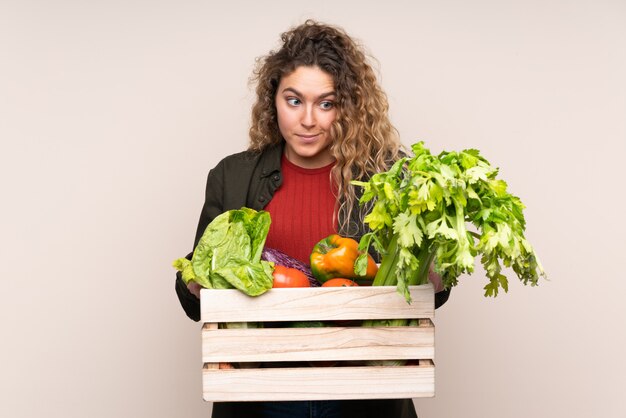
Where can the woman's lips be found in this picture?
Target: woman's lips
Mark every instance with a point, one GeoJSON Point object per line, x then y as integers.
{"type": "Point", "coordinates": [308, 138]}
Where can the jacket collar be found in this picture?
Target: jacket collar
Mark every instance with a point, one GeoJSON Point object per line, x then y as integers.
{"type": "Point", "coordinates": [270, 164]}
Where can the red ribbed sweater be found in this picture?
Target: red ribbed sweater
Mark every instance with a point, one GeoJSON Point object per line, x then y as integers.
{"type": "Point", "coordinates": [301, 210]}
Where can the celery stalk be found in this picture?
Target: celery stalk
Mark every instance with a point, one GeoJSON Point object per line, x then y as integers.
{"type": "Point", "coordinates": [388, 275]}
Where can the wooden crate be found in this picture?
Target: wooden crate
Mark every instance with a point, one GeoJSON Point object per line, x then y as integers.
{"type": "Point", "coordinates": [280, 348]}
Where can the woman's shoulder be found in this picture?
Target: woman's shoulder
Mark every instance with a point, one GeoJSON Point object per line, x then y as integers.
{"type": "Point", "coordinates": [251, 158]}
{"type": "Point", "coordinates": [242, 156]}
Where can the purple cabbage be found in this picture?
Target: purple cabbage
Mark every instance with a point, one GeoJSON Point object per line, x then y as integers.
{"type": "Point", "coordinates": [282, 259]}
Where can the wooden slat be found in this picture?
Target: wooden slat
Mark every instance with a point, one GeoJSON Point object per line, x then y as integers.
{"type": "Point", "coordinates": [211, 326]}
{"type": "Point", "coordinates": [284, 384]}
{"type": "Point", "coordinates": [307, 304]}
{"type": "Point", "coordinates": [312, 344]}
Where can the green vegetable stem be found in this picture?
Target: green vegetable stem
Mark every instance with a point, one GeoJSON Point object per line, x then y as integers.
{"type": "Point", "coordinates": [445, 210]}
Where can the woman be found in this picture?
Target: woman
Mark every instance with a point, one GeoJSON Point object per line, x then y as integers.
{"type": "Point", "coordinates": [320, 120]}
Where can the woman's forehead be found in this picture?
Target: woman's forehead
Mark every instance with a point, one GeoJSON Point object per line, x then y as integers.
{"type": "Point", "coordinates": [308, 80]}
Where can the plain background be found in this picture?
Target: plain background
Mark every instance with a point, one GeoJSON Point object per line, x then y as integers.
{"type": "Point", "coordinates": [112, 113]}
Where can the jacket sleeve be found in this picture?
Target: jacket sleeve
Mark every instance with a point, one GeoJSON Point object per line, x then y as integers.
{"type": "Point", "coordinates": [213, 206]}
{"type": "Point", "coordinates": [189, 302]}
{"type": "Point", "coordinates": [442, 297]}
{"type": "Point", "coordinates": [213, 200]}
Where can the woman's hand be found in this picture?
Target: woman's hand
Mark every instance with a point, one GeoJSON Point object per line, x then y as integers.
{"type": "Point", "coordinates": [194, 288]}
{"type": "Point", "coordinates": [435, 279]}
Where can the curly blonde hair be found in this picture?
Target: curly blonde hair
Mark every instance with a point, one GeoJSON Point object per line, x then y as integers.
{"type": "Point", "coordinates": [364, 140]}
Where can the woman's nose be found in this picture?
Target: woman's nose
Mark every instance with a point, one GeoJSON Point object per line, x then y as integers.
{"type": "Point", "coordinates": [308, 118]}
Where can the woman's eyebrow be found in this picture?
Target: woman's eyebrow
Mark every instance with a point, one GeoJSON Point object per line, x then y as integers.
{"type": "Point", "coordinates": [297, 93]}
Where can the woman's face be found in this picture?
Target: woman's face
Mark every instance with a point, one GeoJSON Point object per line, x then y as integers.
{"type": "Point", "coordinates": [305, 105]}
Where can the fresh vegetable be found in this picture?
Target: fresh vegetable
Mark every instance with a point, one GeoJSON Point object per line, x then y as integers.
{"type": "Point", "coordinates": [289, 277]}
{"type": "Point", "coordinates": [339, 282]}
{"type": "Point", "coordinates": [228, 254]}
{"type": "Point", "coordinates": [447, 210]}
{"type": "Point", "coordinates": [306, 324]}
{"type": "Point", "coordinates": [280, 258]}
{"type": "Point", "coordinates": [334, 256]}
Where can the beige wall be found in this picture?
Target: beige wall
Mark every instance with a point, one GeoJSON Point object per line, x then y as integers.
{"type": "Point", "coordinates": [111, 113]}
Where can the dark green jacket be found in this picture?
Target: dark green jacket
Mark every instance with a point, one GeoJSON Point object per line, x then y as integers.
{"type": "Point", "coordinates": [250, 179]}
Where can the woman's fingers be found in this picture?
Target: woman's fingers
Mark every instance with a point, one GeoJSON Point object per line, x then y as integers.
{"type": "Point", "coordinates": [194, 288]}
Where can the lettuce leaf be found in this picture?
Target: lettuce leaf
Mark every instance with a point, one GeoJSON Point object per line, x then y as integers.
{"type": "Point", "coordinates": [228, 254]}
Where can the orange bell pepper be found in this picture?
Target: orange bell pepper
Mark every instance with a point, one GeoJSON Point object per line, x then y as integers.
{"type": "Point", "coordinates": [334, 256]}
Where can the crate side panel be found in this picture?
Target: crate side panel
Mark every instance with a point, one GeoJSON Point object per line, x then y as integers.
{"type": "Point", "coordinates": [318, 383]}
{"type": "Point", "coordinates": [311, 304]}
{"type": "Point", "coordinates": [313, 344]}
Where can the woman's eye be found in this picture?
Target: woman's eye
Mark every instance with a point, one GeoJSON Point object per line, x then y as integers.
{"type": "Point", "coordinates": [327, 105]}
{"type": "Point", "coordinates": [293, 101]}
